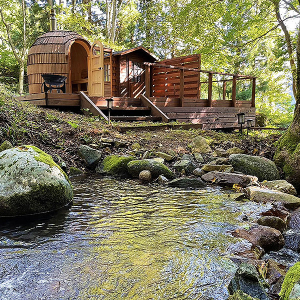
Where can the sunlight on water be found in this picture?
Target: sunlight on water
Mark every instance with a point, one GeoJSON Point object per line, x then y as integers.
{"type": "Point", "coordinates": [122, 240]}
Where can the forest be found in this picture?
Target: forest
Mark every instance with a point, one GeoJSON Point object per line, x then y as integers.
{"type": "Point", "coordinates": [256, 38]}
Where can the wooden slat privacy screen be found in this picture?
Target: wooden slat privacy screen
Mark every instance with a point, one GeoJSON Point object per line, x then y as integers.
{"type": "Point", "coordinates": [166, 81]}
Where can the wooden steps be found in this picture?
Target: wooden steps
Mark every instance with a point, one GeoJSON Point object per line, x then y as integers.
{"type": "Point", "coordinates": [135, 118]}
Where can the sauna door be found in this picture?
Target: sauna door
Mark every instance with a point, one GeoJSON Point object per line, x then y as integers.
{"type": "Point", "coordinates": [96, 70]}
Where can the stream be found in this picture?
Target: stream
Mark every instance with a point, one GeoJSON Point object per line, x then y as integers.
{"type": "Point", "coordinates": [123, 240]}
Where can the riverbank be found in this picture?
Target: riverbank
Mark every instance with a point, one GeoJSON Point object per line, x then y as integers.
{"type": "Point", "coordinates": [61, 133]}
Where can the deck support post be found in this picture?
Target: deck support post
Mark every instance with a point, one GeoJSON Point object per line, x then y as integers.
{"type": "Point", "coordinates": [253, 92]}
{"type": "Point", "coordinates": [234, 91]}
{"type": "Point", "coordinates": [209, 96]}
{"type": "Point", "coordinates": [224, 90]}
{"type": "Point", "coordinates": [147, 81]}
{"type": "Point", "coordinates": [181, 92]}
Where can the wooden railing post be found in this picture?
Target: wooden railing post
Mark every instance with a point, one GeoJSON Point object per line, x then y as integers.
{"type": "Point", "coordinates": [234, 91]}
{"type": "Point", "coordinates": [253, 92]}
{"type": "Point", "coordinates": [181, 91]}
{"type": "Point", "coordinates": [147, 81]}
{"type": "Point", "coordinates": [224, 90]}
{"type": "Point", "coordinates": [209, 96]}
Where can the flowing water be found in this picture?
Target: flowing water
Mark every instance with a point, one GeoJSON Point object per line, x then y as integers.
{"type": "Point", "coordinates": [122, 240]}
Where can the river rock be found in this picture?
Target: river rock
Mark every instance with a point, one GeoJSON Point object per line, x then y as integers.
{"type": "Point", "coordinates": [211, 167]}
{"type": "Point", "coordinates": [266, 237]}
{"type": "Point", "coordinates": [259, 194]}
{"type": "Point", "coordinates": [294, 222]}
{"type": "Point", "coordinates": [234, 150]}
{"type": "Point", "coordinates": [239, 295]}
{"type": "Point", "coordinates": [145, 176]}
{"type": "Point", "coordinates": [261, 167]}
{"type": "Point", "coordinates": [278, 210]}
{"type": "Point", "coordinates": [271, 221]}
{"type": "Point", "coordinates": [165, 156]}
{"type": "Point", "coordinates": [186, 165]}
{"type": "Point", "coordinates": [115, 165]}
{"type": "Point", "coordinates": [199, 158]}
{"type": "Point", "coordinates": [185, 182]}
{"type": "Point", "coordinates": [227, 178]}
{"type": "Point", "coordinates": [246, 279]}
{"type": "Point", "coordinates": [6, 145]}
{"type": "Point", "coordinates": [198, 172]}
{"type": "Point", "coordinates": [200, 145]}
{"type": "Point", "coordinates": [281, 185]}
{"type": "Point", "coordinates": [136, 166]}
{"type": "Point", "coordinates": [31, 182]}
{"type": "Point", "coordinates": [90, 155]}
{"type": "Point", "coordinates": [285, 257]}
{"type": "Point", "coordinates": [246, 249]}
{"type": "Point", "coordinates": [162, 179]}
{"type": "Point", "coordinates": [219, 152]}
{"type": "Point", "coordinates": [291, 285]}
{"type": "Point", "coordinates": [292, 240]}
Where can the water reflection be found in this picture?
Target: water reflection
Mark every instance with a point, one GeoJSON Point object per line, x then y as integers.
{"type": "Point", "coordinates": [121, 240]}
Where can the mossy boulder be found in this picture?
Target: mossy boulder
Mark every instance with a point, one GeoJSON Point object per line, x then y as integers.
{"type": "Point", "coordinates": [290, 289]}
{"type": "Point", "coordinates": [261, 167]}
{"type": "Point", "coordinates": [90, 155]}
{"type": "Point", "coordinates": [156, 168]}
{"type": "Point", "coordinates": [31, 182]}
{"type": "Point", "coordinates": [115, 165]}
{"type": "Point", "coordinates": [239, 295]}
{"type": "Point", "coordinates": [281, 185]}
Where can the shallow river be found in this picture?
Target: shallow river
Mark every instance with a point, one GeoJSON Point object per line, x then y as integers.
{"type": "Point", "coordinates": [122, 240]}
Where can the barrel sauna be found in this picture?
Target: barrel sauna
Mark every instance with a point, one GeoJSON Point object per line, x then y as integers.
{"type": "Point", "coordinates": [60, 53]}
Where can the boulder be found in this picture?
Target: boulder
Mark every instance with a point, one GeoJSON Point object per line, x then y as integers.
{"type": "Point", "coordinates": [247, 280]}
{"type": "Point", "coordinates": [285, 257]}
{"type": "Point", "coordinates": [185, 182]}
{"type": "Point", "coordinates": [90, 155]}
{"type": "Point", "coordinates": [115, 165]}
{"type": "Point", "coordinates": [198, 172]}
{"type": "Point", "coordinates": [266, 237]}
{"type": "Point", "coordinates": [136, 166]}
{"type": "Point", "coordinates": [246, 249]}
{"type": "Point", "coordinates": [6, 145]}
{"type": "Point", "coordinates": [281, 185]}
{"type": "Point", "coordinates": [227, 178]}
{"type": "Point", "coordinates": [145, 176]}
{"type": "Point", "coordinates": [291, 285]}
{"type": "Point", "coordinates": [184, 165]}
{"type": "Point", "coordinates": [259, 194]}
{"type": "Point", "coordinates": [278, 210]}
{"type": "Point", "coordinates": [261, 167]}
{"type": "Point", "coordinates": [200, 145]}
{"type": "Point", "coordinates": [239, 295]}
{"type": "Point", "coordinates": [292, 240]}
{"type": "Point", "coordinates": [31, 182]}
{"type": "Point", "coordinates": [272, 221]}
{"type": "Point", "coordinates": [294, 222]}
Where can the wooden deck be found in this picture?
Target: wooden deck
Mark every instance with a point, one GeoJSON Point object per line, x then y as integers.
{"type": "Point", "coordinates": [220, 115]}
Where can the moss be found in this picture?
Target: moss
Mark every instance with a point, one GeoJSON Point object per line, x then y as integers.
{"type": "Point", "coordinates": [46, 158]}
{"type": "Point", "coordinates": [289, 142]}
{"type": "Point", "coordinates": [292, 276]}
{"type": "Point", "coordinates": [115, 165]}
{"type": "Point", "coordinates": [239, 295]}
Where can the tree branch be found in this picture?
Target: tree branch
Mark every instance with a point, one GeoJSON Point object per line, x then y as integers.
{"type": "Point", "coordinates": [292, 6]}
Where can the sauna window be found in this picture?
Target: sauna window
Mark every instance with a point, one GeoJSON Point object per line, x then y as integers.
{"type": "Point", "coordinates": [137, 71]}
{"type": "Point", "coordinates": [106, 73]}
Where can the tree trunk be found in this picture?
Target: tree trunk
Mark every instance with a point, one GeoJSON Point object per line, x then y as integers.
{"type": "Point", "coordinates": [21, 78]}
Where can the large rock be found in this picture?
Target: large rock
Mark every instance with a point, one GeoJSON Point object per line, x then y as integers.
{"type": "Point", "coordinates": [90, 155]}
{"type": "Point", "coordinates": [211, 167]}
{"type": "Point", "coordinates": [272, 221]}
{"type": "Point", "coordinates": [281, 185]}
{"type": "Point", "coordinates": [266, 237]}
{"type": "Point", "coordinates": [292, 240]}
{"type": "Point", "coordinates": [114, 165]}
{"type": "Point", "coordinates": [258, 194]}
{"type": "Point", "coordinates": [261, 167]}
{"type": "Point", "coordinates": [294, 222]}
{"type": "Point", "coordinates": [185, 182]}
{"type": "Point", "coordinates": [227, 178]}
{"type": "Point", "coordinates": [156, 168]}
{"type": "Point", "coordinates": [31, 182]}
{"type": "Point", "coordinates": [291, 285]}
{"type": "Point", "coordinates": [185, 165]}
{"type": "Point", "coordinates": [246, 279]}
{"type": "Point", "coordinates": [200, 145]}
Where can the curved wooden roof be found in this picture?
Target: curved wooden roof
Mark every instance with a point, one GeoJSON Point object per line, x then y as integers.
{"type": "Point", "coordinates": [57, 41]}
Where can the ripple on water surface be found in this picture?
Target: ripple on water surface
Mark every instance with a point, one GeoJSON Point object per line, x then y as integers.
{"type": "Point", "coordinates": [121, 240]}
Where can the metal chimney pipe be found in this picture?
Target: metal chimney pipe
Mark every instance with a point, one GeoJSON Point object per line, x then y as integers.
{"type": "Point", "coordinates": [52, 20]}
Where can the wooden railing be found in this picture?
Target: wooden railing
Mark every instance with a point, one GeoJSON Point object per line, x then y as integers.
{"type": "Point", "coordinates": [179, 82]}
